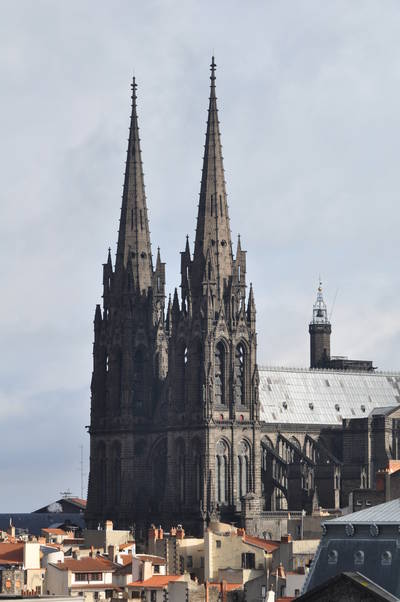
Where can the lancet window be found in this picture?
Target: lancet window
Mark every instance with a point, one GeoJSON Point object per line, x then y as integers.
{"type": "Point", "coordinates": [220, 362]}
{"type": "Point", "coordinates": [102, 470]}
{"type": "Point", "coordinates": [240, 356]}
{"type": "Point", "coordinates": [244, 475]}
{"type": "Point", "coordinates": [116, 472]}
{"type": "Point", "coordinates": [181, 476]}
{"type": "Point", "coordinates": [139, 381]}
{"type": "Point", "coordinates": [222, 472]}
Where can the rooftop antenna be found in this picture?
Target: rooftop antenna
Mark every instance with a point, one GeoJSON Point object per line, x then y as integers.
{"type": "Point", "coordinates": [66, 494]}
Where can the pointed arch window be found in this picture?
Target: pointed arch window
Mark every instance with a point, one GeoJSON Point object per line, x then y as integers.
{"type": "Point", "coordinates": [181, 473]}
{"type": "Point", "coordinates": [195, 474]}
{"type": "Point", "coordinates": [116, 472]}
{"type": "Point", "coordinates": [118, 378]}
{"type": "Point", "coordinates": [181, 369]}
{"type": "Point", "coordinates": [222, 473]}
{"type": "Point", "coordinates": [196, 370]}
{"type": "Point", "coordinates": [102, 474]}
{"type": "Point", "coordinates": [159, 471]}
{"type": "Point", "coordinates": [244, 474]}
{"type": "Point", "coordinates": [139, 381]}
{"type": "Point", "coordinates": [220, 363]}
{"type": "Point", "coordinates": [240, 363]}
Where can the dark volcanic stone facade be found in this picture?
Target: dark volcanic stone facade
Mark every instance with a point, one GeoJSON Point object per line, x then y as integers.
{"type": "Point", "coordinates": [175, 433]}
{"type": "Point", "coordinates": [174, 422]}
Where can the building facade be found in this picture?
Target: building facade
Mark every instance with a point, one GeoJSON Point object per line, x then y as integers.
{"type": "Point", "coordinates": [184, 425]}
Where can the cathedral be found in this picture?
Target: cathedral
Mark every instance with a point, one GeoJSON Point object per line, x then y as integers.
{"type": "Point", "coordinates": [185, 425]}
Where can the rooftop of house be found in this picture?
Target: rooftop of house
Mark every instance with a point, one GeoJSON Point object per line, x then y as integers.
{"type": "Point", "coordinates": [64, 504]}
{"type": "Point", "coordinates": [54, 531]}
{"type": "Point", "coordinates": [387, 513]}
{"type": "Point", "coordinates": [365, 542]}
{"type": "Point", "coordinates": [125, 559]}
{"type": "Point", "coordinates": [11, 553]}
{"type": "Point", "coordinates": [358, 581]}
{"type": "Point", "coordinates": [86, 565]}
{"type": "Point", "coordinates": [264, 544]}
{"type": "Point", "coordinates": [33, 523]}
{"type": "Point", "coordinates": [156, 581]}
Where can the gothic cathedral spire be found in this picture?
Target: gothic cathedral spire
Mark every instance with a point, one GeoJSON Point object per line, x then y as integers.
{"type": "Point", "coordinates": [213, 234]}
{"type": "Point", "coordinates": [134, 233]}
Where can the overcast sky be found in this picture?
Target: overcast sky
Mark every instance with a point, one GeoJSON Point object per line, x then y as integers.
{"type": "Point", "coordinates": [309, 97]}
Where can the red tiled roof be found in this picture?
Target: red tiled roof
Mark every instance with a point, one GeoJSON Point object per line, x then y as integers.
{"type": "Point", "coordinates": [86, 565]}
{"type": "Point", "coordinates": [156, 581]}
{"type": "Point", "coordinates": [126, 559]}
{"type": "Point", "coordinates": [11, 553]}
{"type": "Point", "coordinates": [268, 546]}
{"type": "Point", "coordinates": [54, 531]}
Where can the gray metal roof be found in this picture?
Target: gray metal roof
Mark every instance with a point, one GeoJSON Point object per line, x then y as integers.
{"type": "Point", "coordinates": [290, 395]}
{"type": "Point", "coordinates": [387, 513]}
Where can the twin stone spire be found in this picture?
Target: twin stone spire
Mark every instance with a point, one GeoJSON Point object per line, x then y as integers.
{"type": "Point", "coordinates": [213, 257]}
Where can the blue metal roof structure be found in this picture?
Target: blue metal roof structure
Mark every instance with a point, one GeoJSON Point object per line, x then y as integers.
{"type": "Point", "coordinates": [367, 542]}
{"type": "Point", "coordinates": [33, 522]}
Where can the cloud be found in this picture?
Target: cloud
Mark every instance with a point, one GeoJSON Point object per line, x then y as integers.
{"type": "Point", "coordinates": [308, 98]}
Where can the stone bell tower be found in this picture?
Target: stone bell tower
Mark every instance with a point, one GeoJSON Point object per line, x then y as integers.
{"type": "Point", "coordinates": [320, 333]}
{"type": "Point", "coordinates": [213, 376]}
{"type": "Point", "coordinates": [129, 359]}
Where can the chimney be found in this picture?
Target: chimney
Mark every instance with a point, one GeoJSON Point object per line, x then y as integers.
{"type": "Point", "coordinates": [112, 552]}
{"type": "Point", "coordinates": [160, 532]}
{"type": "Point", "coordinates": [91, 553]}
{"type": "Point", "coordinates": [11, 529]}
{"type": "Point", "coordinates": [108, 525]}
{"type": "Point", "coordinates": [153, 533]}
{"type": "Point", "coordinates": [240, 532]}
{"type": "Point", "coordinates": [286, 538]}
{"type": "Point", "coordinates": [180, 533]}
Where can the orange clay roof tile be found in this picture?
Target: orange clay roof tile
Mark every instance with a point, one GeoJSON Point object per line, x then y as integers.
{"type": "Point", "coordinates": [156, 581]}
{"type": "Point", "coordinates": [11, 553]}
{"type": "Point", "coordinates": [268, 546]}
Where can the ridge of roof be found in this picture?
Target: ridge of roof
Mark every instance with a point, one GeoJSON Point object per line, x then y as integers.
{"type": "Point", "coordinates": [85, 564]}
{"type": "Point", "coordinates": [270, 368]}
{"type": "Point", "coordinates": [266, 545]}
{"type": "Point", "coordinates": [386, 513]}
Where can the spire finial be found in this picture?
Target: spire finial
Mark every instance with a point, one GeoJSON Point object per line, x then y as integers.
{"type": "Point", "coordinates": [213, 67]}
